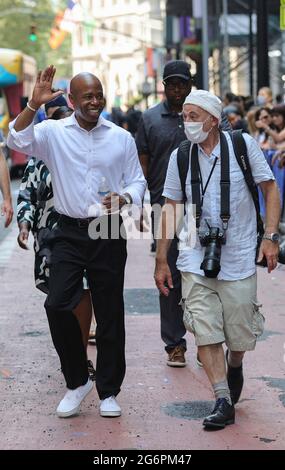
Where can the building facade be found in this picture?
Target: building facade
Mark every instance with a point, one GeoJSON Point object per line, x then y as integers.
{"type": "Point", "coordinates": [120, 41]}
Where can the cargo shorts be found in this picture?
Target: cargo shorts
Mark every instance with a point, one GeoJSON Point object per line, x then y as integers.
{"type": "Point", "coordinates": [218, 311]}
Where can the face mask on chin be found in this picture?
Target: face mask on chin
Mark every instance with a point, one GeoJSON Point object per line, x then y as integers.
{"type": "Point", "coordinates": [194, 131]}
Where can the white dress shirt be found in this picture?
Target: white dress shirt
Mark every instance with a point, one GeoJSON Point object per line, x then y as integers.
{"type": "Point", "coordinates": [238, 254]}
{"type": "Point", "coordinates": [78, 159]}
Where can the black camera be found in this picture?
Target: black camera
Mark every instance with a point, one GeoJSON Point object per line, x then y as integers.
{"type": "Point", "coordinates": [212, 239]}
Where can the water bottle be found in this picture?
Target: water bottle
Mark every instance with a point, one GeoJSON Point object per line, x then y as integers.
{"type": "Point", "coordinates": [103, 190]}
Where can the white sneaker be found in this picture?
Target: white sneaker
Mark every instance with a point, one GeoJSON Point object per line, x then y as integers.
{"type": "Point", "coordinates": [110, 407]}
{"type": "Point", "coordinates": [71, 401]}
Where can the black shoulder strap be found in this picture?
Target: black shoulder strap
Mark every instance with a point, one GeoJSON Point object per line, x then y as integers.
{"type": "Point", "coordinates": [183, 164]}
{"type": "Point", "coordinates": [225, 181]}
{"type": "Point", "coordinates": [196, 183]}
{"type": "Point", "coordinates": [240, 150]}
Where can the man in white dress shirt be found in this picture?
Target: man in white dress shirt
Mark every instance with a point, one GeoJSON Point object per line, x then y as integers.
{"type": "Point", "coordinates": [81, 151]}
{"type": "Point", "coordinates": [220, 304]}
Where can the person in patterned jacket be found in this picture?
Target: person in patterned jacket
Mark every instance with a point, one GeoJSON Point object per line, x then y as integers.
{"type": "Point", "coordinates": [36, 213]}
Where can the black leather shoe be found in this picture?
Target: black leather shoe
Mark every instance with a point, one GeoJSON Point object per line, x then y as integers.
{"type": "Point", "coordinates": [235, 381]}
{"type": "Point", "coordinates": [222, 415]}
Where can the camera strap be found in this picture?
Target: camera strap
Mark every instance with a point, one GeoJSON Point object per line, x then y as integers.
{"type": "Point", "coordinates": [197, 184]}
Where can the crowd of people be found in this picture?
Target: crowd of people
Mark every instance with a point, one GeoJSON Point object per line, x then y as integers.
{"type": "Point", "coordinates": [209, 288]}
{"type": "Point", "coordinates": [264, 120]}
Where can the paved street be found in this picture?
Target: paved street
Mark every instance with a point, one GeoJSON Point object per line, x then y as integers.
{"type": "Point", "coordinates": [162, 407]}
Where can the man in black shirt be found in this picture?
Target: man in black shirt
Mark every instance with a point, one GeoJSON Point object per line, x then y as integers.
{"type": "Point", "coordinates": [160, 131]}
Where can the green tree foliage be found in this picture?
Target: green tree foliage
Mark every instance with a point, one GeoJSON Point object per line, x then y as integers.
{"type": "Point", "coordinates": [16, 18]}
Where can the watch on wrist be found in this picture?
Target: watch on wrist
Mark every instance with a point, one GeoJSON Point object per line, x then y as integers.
{"type": "Point", "coordinates": [127, 198]}
{"type": "Point", "coordinates": [273, 237]}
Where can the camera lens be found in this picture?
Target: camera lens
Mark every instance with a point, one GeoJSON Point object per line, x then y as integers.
{"type": "Point", "coordinates": [212, 240]}
{"type": "Point", "coordinates": [211, 262]}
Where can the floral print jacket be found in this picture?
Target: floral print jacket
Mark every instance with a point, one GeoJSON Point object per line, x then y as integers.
{"type": "Point", "coordinates": [35, 206]}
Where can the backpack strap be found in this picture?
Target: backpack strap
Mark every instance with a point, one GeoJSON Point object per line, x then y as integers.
{"type": "Point", "coordinates": [183, 164]}
{"type": "Point", "coordinates": [225, 181]}
{"type": "Point", "coordinates": [240, 150]}
{"type": "Point", "coordinates": [196, 183]}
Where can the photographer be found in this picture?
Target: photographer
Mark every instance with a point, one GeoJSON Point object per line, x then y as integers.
{"type": "Point", "coordinates": [218, 268]}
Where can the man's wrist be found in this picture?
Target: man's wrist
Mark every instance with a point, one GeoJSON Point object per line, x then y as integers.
{"type": "Point", "coordinates": [161, 259]}
{"type": "Point", "coordinates": [128, 198]}
{"type": "Point", "coordinates": [274, 237]}
{"type": "Point", "coordinates": [25, 224]}
{"type": "Point", "coordinates": [33, 106]}
{"type": "Point", "coordinates": [270, 230]}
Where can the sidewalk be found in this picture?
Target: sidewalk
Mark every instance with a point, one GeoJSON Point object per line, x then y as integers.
{"type": "Point", "coordinates": [162, 407]}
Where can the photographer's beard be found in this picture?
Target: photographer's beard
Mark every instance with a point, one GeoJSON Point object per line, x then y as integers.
{"type": "Point", "coordinates": [195, 133]}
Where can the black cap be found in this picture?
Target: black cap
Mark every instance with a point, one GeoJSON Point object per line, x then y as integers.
{"type": "Point", "coordinates": [177, 68]}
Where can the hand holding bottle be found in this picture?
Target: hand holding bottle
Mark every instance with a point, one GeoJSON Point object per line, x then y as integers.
{"type": "Point", "coordinates": [111, 201]}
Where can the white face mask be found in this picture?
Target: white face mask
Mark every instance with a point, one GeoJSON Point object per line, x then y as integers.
{"type": "Point", "coordinates": [261, 100]}
{"type": "Point", "coordinates": [194, 131]}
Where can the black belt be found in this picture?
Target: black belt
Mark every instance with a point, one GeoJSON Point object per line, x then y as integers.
{"type": "Point", "coordinates": [82, 223]}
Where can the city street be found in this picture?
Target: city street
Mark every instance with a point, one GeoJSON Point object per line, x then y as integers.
{"type": "Point", "coordinates": [131, 82]}
{"type": "Point", "coordinates": [162, 407]}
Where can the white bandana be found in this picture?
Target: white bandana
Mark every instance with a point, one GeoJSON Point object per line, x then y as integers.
{"type": "Point", "coordinates": [205, 100]}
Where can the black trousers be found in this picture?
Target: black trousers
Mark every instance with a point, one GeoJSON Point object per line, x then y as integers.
{"type": "Point", "coordinates": [104, 260]}
{"type": "Point", "coordinates": [171, 313]}
{"type": "Point", "coordinates": [172, 327]}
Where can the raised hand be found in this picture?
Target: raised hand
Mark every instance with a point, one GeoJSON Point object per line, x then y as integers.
{"type": "Point", "coordinates": [43, 88]}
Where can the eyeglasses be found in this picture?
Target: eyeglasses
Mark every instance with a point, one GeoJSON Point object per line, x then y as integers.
{"type": "Point", "coordinates": [173, 85]}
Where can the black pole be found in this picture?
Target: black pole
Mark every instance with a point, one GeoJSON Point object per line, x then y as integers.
{"type": "Point", "coordinates": [146, 101]}
{"type": "Point", "coordinates": [262, 44]}
{"type": "Point", "coordinates": [177, 49]}
{"type": "Point", "coordinates": [251, 49]}
{"type": "Point", "coordinates": [155, 84]}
